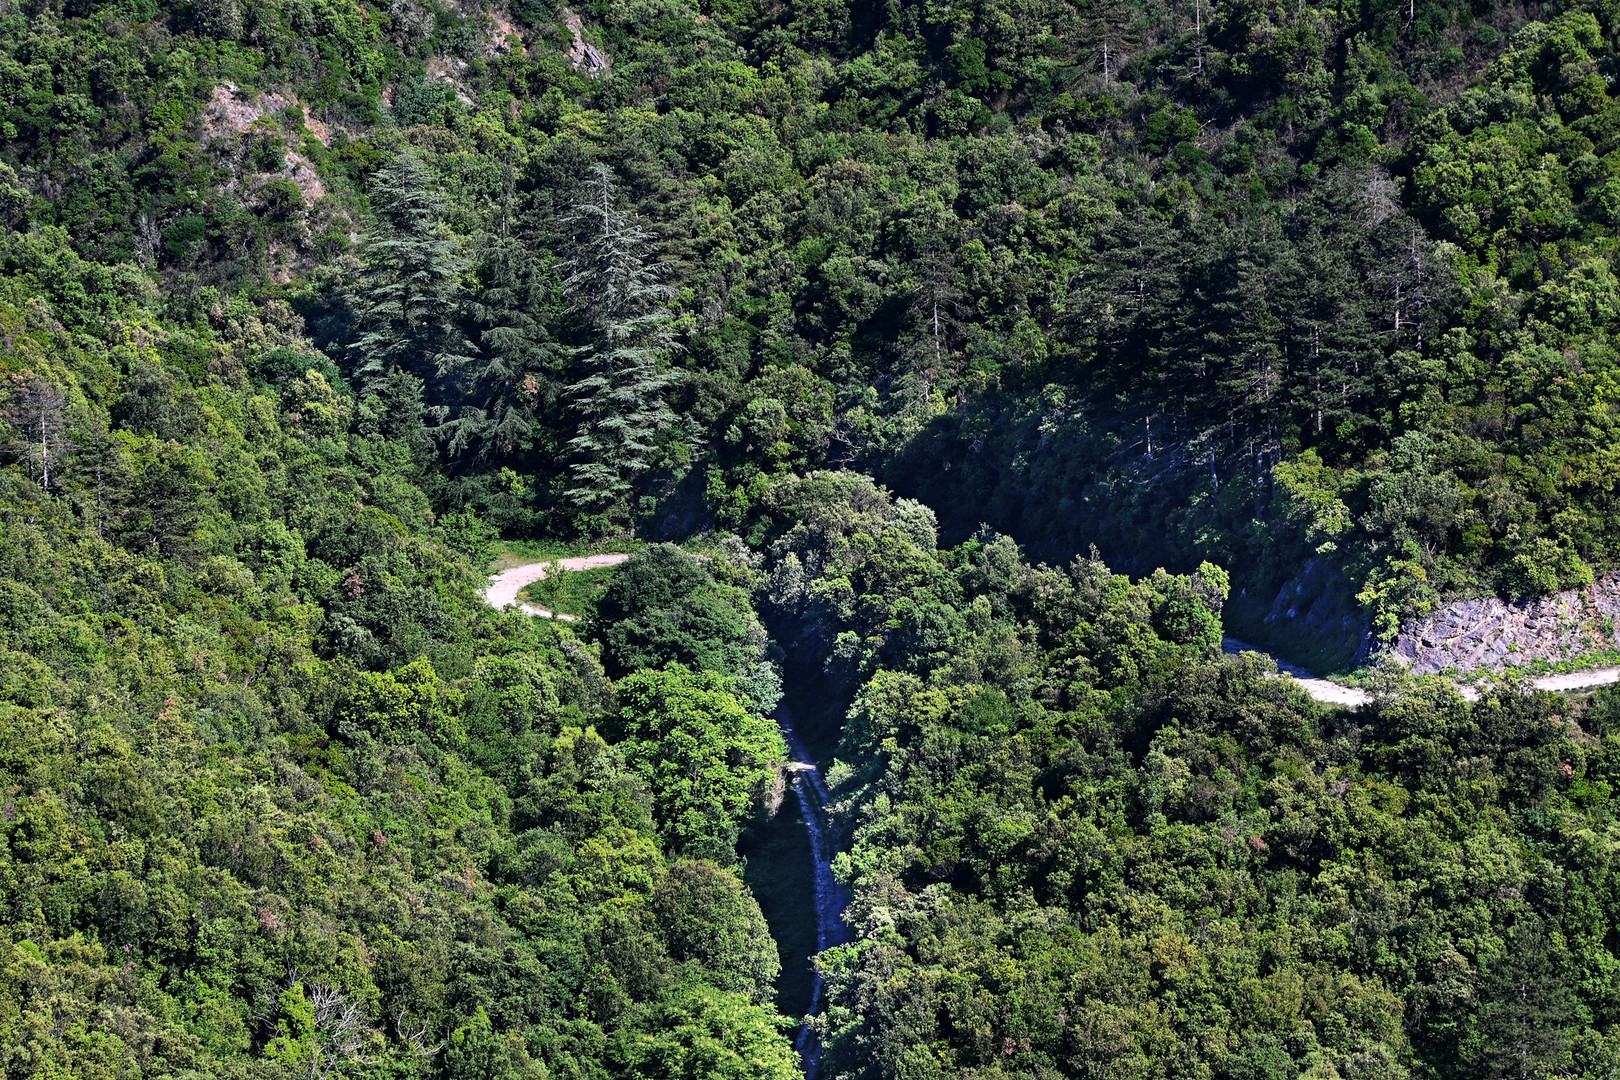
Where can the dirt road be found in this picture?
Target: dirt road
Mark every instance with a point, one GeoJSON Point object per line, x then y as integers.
{"type": "Point", "coordinates": [1335, 694]}
{"type": "Point", "coordinates": [504, 587]}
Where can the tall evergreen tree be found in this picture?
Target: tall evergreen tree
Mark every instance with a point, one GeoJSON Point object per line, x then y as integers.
{"type": "Point", "coordinates": [409, 300]}
{"type": "Point", "coordinates": [515, 375]}
{"type": "Point", "coordinates": [935, 312]}
{"type": "Point", "coordinates": [619, 397]}
{"type": "Point", "coordinates": [1522, 1027]}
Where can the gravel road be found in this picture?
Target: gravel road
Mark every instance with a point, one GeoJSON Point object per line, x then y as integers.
{"type": "Point", "coordinates": [504, 587]}
{"type": "Point", "coordinates": [1335, 694]}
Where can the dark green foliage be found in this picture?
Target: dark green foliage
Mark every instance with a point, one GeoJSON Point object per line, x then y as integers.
{"type": "Point", "coordinates": [409, 299]}
{"type": "Point", "coordinates": [1113, 264]}
{"type": "Point", "coordinates": [515, 379]}
{"type": "Point", "coordinates": [662, 607]}
{"type": "Point", "coordinates": [1232, 285]}
{"type": "Point", "coordinates": [618, 397]}
{"type": "Point", "coordinates": [710, 921]}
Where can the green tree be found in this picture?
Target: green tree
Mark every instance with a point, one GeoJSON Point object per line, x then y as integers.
{"type": "Point", "coordinates": [699, 1033]}
{"type": "Point", "coordinates": [618, 400]}
{"type": "Point", "coordinates": [711, 921]}
{"type": "Point", "coordinates": [409, 299]}
{"type": "Point", "coordinates": [476, 1051]}
{"type": "Point", "coordinates": [297, 1042]}
{"type": "Point", "coordinates": [707, 757]}
{"type": "Point", "coordinates": [1523, 1026]}
{"type": "Point", "coordinates": [662, 606]}
{"type": "Point", "coordinates": [514, 378]}
{"type": "Point", "coordinates": [167, 507]}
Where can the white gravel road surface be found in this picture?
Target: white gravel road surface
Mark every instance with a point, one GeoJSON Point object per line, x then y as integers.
{"type": "Point", "coordinates": [504, 587]}
{"type": "Point", "coordinates": [1337, 694]}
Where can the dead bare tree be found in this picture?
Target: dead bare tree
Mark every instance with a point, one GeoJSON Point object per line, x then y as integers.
{"type": "Point", "coordinates": [37, 416]}
{"type": "Point", "coordinates": [342, 1024]}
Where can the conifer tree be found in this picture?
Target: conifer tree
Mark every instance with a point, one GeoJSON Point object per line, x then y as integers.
{"type": "Point", "coordinates": [935, 311]}
{"type": "Point", "coordinates": [619, 397]}
{"type": "Point", "coordinates": [1522, 1027]}
{"type": "Point", "coordinates": [409, 300]}
{"type": "Point", "coordinates": [515, 375]}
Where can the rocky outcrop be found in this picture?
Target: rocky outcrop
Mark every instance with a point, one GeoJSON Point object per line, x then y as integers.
{"type": "Point", "coordinates": [1318, 603]}
{"type": "Point", "coordinates": [582, 53]}
{"type": "Point", "coordinates": [233, 113]}
{"type": "Point", "coordinates": [1491, 634]}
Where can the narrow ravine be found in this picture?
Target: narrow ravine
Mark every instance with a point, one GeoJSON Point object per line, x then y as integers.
{"type": "Point", "coordinates": [831, 895]}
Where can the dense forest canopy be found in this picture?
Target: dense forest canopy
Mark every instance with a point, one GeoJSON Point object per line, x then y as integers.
{"type": "Point", "coordinates": [1241, 282]}
{"type": "Point", "coordinates": [954, 368]}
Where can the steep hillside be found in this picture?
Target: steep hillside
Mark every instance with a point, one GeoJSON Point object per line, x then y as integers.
{"type": "Point", "coordinates": [1237, 283]}
{"type": "Point", "coordinates": [305, 303]}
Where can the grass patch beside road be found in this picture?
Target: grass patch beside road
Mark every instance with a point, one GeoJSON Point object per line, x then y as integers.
{"type": "Point", "coordinates": [510, 553]}
{"type": "Point", "coordinates": [570, 592]}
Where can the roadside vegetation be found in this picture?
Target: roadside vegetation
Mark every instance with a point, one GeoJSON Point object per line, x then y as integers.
{"type": "Point", "coordinates": [948, 368]}
{"type": "Point", "coordinates": [570, 592]}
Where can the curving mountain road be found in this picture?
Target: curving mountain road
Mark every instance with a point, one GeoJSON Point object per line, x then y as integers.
{"type": "Point", "coordinates": [1351, 697]}
{"type": "Point", "coordinates": [505, 586]}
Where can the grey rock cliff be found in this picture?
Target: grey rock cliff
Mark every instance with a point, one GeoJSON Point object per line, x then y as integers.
{"type": "Point", "coordinates": [1491, 634]}
{"type": "Point", "coordinates": [1319, 603]}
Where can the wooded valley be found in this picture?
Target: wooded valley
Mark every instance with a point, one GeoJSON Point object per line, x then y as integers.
{"type": "Point", "coordinates": [951, 372]}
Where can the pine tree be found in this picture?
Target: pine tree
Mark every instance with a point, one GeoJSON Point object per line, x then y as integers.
{"type": "Point", "coordinates": [1250, 332]}
{"type": "Point", "coordinates": [514, 376]}
{"type": "Point", "coordinates": [409, 300]}
{"type": "Point", "coordinates": [619, 398]}
{"type": "Point", "coordinates": [1337, 341]}
{"type": "Point", "coordinates": [1522, 1026]}
{"type": "Point", "coordinates": [936, 309]}
{"type": "Point", "coordinates": [1111, 35]}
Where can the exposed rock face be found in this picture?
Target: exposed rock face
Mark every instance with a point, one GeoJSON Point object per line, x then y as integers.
{"type": "Point", "coordinates": [1491, 634]}
{"type": "Point", "coordinates": [450, 71]}
{"type": "Point", "coordinates": [233, 113]}
{"type": "Point", "coordinates": [1319, 603]}
{"type": "Point", "coordinates": [582, 53]}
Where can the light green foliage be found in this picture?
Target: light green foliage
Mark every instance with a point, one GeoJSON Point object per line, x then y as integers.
{"type": "Point", "coordinates": [571, 592]}
{"type": "Point", "coordinates": [477, 1052]}
{"type": "Point", "coordinates": [1313, 492]}
{"type": "Point", "coordinates": [282, 795]}
{"type": "Point", "coordinates": [707, 757]}
{"type": "Point", "coordinates": [395, 707]}
{"type": "Point", "coordinates": [295, 1043]}
{"type": "Point", "coordinates": [705, 1034]}
{"type": "Point", "coordinates": [315, 407]}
